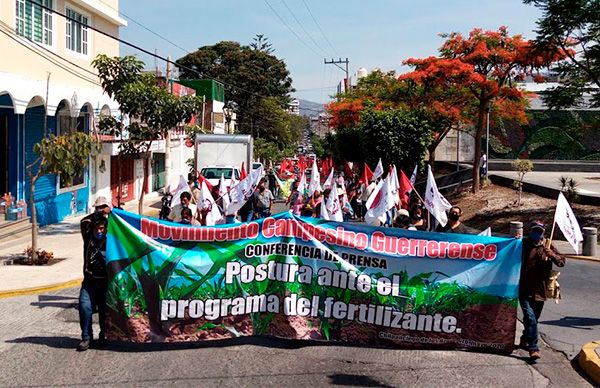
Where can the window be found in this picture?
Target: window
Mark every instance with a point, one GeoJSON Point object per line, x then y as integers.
{"type": "Point", "coordinates": [34, 22]}
{"type": "Point", "coordinates": [70, 185]}
{"type": "Point", "coordinates": [77, 32]}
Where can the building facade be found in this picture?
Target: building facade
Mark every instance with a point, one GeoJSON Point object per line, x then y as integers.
{"type": "Point", "coordinates": [47, 82]}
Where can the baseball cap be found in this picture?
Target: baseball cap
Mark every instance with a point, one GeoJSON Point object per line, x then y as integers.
{"type": "Point", "coordinates": [537, 225]}
{"type": "Point", "coordinates": [101, 201]}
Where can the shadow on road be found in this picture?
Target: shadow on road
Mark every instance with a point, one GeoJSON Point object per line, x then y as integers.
{"type": "Point", "coordinates": [355, 380]}
{"type": "Point", "coordinates": [56, 301]}
{"type": "Point", "coordinates": [51, 342]}
{"type": "Point", "coordinates": [583, 323]}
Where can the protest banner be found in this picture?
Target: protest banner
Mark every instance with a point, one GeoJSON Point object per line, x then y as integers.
{"type": "Point", "coordinates": [305, 278]}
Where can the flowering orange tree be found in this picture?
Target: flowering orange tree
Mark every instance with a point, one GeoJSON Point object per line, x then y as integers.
{"type": "Point", "coordinates": [486, 66]}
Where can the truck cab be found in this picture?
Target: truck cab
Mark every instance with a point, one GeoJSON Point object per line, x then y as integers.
{"type": "Point", "coordinates": [213, 174]}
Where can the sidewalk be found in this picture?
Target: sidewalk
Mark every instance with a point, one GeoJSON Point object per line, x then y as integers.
{"type": "Point", "coordinates": [64, 240]}
{"type": "Point", "coordinates": [589, 182]}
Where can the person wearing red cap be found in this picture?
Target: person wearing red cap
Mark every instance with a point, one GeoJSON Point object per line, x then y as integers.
{"type": "Point", "coordinates": [536, 265]}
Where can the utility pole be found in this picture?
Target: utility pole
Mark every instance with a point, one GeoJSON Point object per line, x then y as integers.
{"type": "Point", "coordinates": [168, 169]}
{"type": "Point", "coordinates": [338, 63]}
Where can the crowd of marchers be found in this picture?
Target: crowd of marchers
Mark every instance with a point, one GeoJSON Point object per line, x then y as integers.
{"type": "Point", "coordinates": [353, 197]}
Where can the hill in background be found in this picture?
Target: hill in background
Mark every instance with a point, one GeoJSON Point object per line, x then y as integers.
{"type": "Point", "coordinates": [310, 108]}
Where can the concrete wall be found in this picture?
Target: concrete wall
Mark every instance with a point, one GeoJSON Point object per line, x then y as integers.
{"type": "Point", "coordinates": [446, 151]}
{"type": "Point", "coordinates": [100, 178]}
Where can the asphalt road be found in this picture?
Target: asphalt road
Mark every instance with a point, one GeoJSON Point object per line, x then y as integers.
{"type": "Point", "coordinates": [575, 320]}
{"type": "Point", "coordinates": [38, 336]}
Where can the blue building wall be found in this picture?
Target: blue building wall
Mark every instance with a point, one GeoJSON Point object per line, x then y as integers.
{"type": "Point", "coordinates": [51, 207]}
{"type": "Point", "coordinates": [14, 142]}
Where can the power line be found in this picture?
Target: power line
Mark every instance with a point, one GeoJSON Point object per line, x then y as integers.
{"type": "Point", "coordinates": [58, 64]}
{"type": "Point", "coordinates": [40, 46]}
{"type": "Point", "coordinates": [302, 27]}
{"type": "Point", "coordinates": [150, 53]}
{"type": "Point", "coordinates": [145, 28]}
{"type": "Point", "coordinates": [319, 27]}
{"type": "Point", "coordinates": [290, 28]}
{"type": "Point", "coordinates": [313, 89]}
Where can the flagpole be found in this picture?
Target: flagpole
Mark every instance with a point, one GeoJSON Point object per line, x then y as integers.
{"type": "Point", "coordinates": [552, 232]}
{"type": "Point", "coordinates": [553, 226]}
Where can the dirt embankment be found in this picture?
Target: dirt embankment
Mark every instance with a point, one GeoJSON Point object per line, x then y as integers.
{"type": "Point", "coordinates": [496, 206]}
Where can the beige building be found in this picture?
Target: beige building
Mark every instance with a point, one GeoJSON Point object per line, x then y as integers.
{"type": "Point", "coordinates": [47, 48]}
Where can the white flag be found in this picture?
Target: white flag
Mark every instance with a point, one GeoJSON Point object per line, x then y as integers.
{"type": "Point", "coordinates": [381, 200]}
{"type": "Point", "coordinates": [334, 208]}
{"type": "Point", "coordinates": [224, 194]}
{"type": "Point", "coordinates": [324, 214]}
{"type": "Point", "coordinates": [378, 170]}
{"type": "Point", "coordinates": [315, 179]}
{"type": "Point", "coordinates": [486, 232]}
{"type": "Point", "coordinates": [302, 184]}
{"type": "Point", "coordinates": [329, 180]}
{"type": "Point", "coordinates": [566, 221]}
{"type": "Point", "coordinates": [394, 184]}
{"type": "Point", "coordinates": [435, 202]}
{"type": "Point", "coordinates": [413, 177]}
{"type": "Point", "coordinates": [181, 188]}
{"type": "Point", "coordinates": [345, 197]}
{"type": "Point", "coordinates": [244, 190]}
{"type": "Point", "coordinates": [207, 203]}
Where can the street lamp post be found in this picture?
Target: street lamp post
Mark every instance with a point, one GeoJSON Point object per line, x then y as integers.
{"type": "Point", "coordinates": [487, 145]}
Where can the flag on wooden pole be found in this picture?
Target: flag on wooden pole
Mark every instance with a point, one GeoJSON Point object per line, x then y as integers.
{"type": "Point", "coordinates": [435, 202]}
{"type": "Point", "coordinates": [566, 221]}
{"type": "Point", "coordinates": [378, 170]}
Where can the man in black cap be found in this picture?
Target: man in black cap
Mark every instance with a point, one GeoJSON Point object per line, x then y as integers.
{"type": "Point", "coordinates": [536, 265]}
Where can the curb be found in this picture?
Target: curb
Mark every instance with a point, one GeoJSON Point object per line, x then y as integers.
{"type": "Point", "coordinates": [41, 289]}
{"type": "Point", "coordinates": [589, 360]}
{"type": "Point", "coordinates": [585, 258]}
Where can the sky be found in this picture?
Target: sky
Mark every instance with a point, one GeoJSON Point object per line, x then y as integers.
{"type": "Point", "coordinates": [371, 34]}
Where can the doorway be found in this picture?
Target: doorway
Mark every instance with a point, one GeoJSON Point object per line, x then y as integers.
{"type": "Point", "coordinates": [4, 149]}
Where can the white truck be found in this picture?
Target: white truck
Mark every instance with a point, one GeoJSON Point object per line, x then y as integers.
{"type": "Point", "coordinates": [218, 153]}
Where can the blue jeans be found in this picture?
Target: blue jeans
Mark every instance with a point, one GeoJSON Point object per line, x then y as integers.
{"type": "Point", "coordinates": [262, 212]}
{"type": "Point", "coordinates": [531, 314]}
{"type": "Point", "coordinates": [92, 296]}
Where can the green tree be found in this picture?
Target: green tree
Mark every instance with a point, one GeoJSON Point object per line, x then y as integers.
{"type": "Point", "coordinates": [574, 26]}
{"type": "Point", "coordinates": [522, 167]}
{"type": "Point", "coordinates": [276, 131]}
{"type": "Point", "coordinates": [152, 110]}
{"type": "Point", "coordinates": [261, 43]}
{"type": "Point", "coordinates": [66, 155]}
{"type": "Point", "coordinates": [398, 136]}
{"type": "Point", "coordinates": [251, 74]}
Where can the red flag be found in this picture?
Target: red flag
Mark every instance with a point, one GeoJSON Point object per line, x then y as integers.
{"type": "Point", "coordinates": [324, 167]}
{"type": "Point", "coordinates": [283, 167]}
{"type": "Point", "coordinates": [405, 188]}
{"type": "Point", "coordinates": [348, 170]}
{"type": "Point", "coordinates": [243, 172]}
{"type": "Point", "coordinates": [301, 163]}
{"type": "Point", "coordinates": [201, 179]}
{"type": "Point", "coordinates": [366, 176]}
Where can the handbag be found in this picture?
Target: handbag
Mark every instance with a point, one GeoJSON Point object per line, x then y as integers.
{"type": "Point", "coordinates": [552, 286]}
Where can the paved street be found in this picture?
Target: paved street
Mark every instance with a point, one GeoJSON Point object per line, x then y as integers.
{"type": "Point", "coordinates": [588, 182]}
{"type": "Point", "coordinates": [39, 336]}
{"type": "Point", "coordinates": [575, 320]}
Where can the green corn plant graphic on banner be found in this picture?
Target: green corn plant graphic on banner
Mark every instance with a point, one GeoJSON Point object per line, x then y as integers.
{"type": "Point", "coordinates": [304, 278]}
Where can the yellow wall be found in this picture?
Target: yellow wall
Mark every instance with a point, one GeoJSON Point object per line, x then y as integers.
{"type": "Point", "coordinates": [19, 60]}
